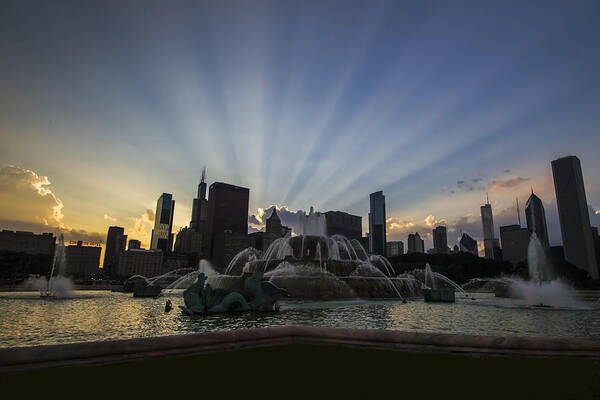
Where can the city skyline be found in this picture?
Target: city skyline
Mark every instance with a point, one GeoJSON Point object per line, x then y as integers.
{"type": "Point", "coordinates": [306, 105]}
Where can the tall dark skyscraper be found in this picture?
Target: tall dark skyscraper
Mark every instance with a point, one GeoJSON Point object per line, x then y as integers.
{"type": "Point", "coordinates": [227, 223]}
{"type": "Point", "coordinates": [536, 218]}
{"type": "Point", "coordinates": [490, 242]}
{"type": "Point", "coordinates": [515, 241]}
{"type": "Point", "coordinates": [114, 245]}
{"type": "Point", "coordinates": [415, 243]}
{"type": "Point", "coordinates": [162, 236]}
{"type": "Point", "coordinates": [200, 206]}
{"type": "Point", "coordinates": [573, 214]}
{"type": "Point", "coordinates": [440, 240]}
{"type": "Point", "coordinates": [468, 244]}
{"type": "Point", "coordinates": [377, 236]}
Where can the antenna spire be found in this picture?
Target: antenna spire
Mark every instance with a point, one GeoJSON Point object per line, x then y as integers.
{"type": "Point", "coordinates": [203, 174]}
{"type": "Point", "coordinates": [487, 197]}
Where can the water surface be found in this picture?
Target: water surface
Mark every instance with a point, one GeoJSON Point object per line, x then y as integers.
{"type": "Point", "coordinates": [26, 319]}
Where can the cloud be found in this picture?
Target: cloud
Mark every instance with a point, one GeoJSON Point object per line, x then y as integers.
{"type": "Point", "coordinates": [109, 218]}
{"type": "Point", "coordinates": [396, 226]}
{"type": "Point", "coordinates": [288, 218]}
{"type": "Point", "coordinates": [478, 184]}
{"type": "Point", "coordinates": [431, 222]}
{"type": "Point", "coordinates": [70, 234]}
{"type": "Point", "coordinates": [25, 194]}
{"type": "Point", "coordinates": [150, 215]}
{"type": "Point", "coordinates": [27, 203]}
{"type": "Point", "coordinates": [467, 185]}
{"type": "Point", "coordinates": [507, 183]}
{"type": "Point", "coordinates": [254, 230]}
{"type": "Point", "coordinates": [141, 227]}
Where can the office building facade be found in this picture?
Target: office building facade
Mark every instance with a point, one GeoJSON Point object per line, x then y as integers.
{"type": "Point", "coordinates": [82, 262]}
{"type": "Point", "coordinates": [227, 223]}
{"type": "Point", "coordinates": [162, 234]}
{"type": "Point", "coordinates": [134, 244]}
{"type": "Point", "coordinates": [113, 247]}
{"type": "Point", "coordinates": [536, 219]}
{"type": "Point", "coordinates": [395, 248]}
{"type": "Point", "coordinates": [27, 242]}
{"type": "Point", "coordinates": [468, 244]}
{"type": "Point", "coordinates": [440, 240]}
{"type": "Point", "coordinates": [377, 234]}
{"type": "Point", "coordinates": [140, 262]}
{"type": "Point", "coordinates": [490, 243]}
{"type": "Point", "coordinates": [415, 243]}
{"type": "Point", "coordinates": [515, 241]}
{"type": "Point", "coordinates": [573, 214]}
{"type": "Point", "coordinates": [342, 223]}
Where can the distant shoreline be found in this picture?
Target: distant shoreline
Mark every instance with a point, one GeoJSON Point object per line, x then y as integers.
{"type": "Point", "coordinates": [21, 288]}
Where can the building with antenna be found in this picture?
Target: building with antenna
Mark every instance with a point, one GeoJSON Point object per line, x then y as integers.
{"type": "Point", "coordinates": [491, 244]}
{"type": "Point", "coordinates": [199, 206]}
{"type": "Point", "coordinates": [190, 240]}
{"type": "Point", "coordinates": [536, 219]}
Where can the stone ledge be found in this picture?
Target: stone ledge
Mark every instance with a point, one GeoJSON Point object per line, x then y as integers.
{"type": "Point", "coordinates": [36, 357]}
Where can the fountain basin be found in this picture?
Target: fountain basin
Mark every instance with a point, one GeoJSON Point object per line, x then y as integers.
{"type": "Point", "coordinates": [439, 295]}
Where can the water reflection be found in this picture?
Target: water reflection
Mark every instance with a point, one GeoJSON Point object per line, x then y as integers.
{"type": "Point", "coordinates": [28, 320]}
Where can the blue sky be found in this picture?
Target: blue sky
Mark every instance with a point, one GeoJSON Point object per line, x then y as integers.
{"type": "Point", "coordinates": [306, 103]}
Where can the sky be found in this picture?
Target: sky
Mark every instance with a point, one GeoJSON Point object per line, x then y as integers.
{"type": "Point", "coordinates": [106, 105]}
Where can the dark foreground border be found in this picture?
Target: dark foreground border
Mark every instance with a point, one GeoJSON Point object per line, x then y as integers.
{"type": "Point", "coordinates": [36, 357]}
{"type": "Point", "coordinates": [308, 362]}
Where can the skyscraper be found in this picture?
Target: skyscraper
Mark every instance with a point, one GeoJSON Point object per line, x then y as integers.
{"type": "Point", "coordinates": [490, 243]}
{"type": "Point", "coordinates": [162, 236]}
{"type": "Point", "coordinates": [227, 223]}
{"type": "Point", "coordinates": [377, 236]}
{"type": "Point", "coordinates": [536, 218]}
{"type": "Point", "coordinates": [395, 248]}
{"type": "Point", "coordinates": [515, 241]}
{"type": "Point", "coordinates": [200, 206]}
{"type": "Point", "coordinates": [468, 244]}
{"type": "Point", "coordinates": [415, 243]}
{"type": "Point", "coordinates": [573, 214]}
{"type": "Point", "coordinates": [114, 245]}
{"type": "Point", "coordinates": [134, 244]}
{"type": "Point", "coordinates": [440, 240]}
{"type": "Point", "coordinates": [342, 223]}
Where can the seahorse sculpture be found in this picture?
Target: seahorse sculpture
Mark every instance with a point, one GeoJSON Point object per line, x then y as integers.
{"type": "Point", "coordinates": [201, 298]}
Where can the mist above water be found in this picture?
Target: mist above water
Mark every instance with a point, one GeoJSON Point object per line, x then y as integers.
{"type": "Point", "coordinates": [54, 286]}
{"type": "Point", "coordinates": [540, 289]}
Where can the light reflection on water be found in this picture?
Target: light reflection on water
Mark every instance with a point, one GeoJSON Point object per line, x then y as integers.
{"type": "Point", "coordinates": [26, 319]}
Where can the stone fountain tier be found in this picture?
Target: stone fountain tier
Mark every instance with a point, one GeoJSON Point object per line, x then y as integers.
{"type": "Point", "coordinates": [311, 246]}
{"type": "Point", "coordinates": [336, 267]}
{"type": "Point", "coordinates": [304, 279]}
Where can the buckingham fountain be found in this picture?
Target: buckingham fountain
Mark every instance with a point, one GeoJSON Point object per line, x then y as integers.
{"type": "Point", "coordinates": [314, 266]}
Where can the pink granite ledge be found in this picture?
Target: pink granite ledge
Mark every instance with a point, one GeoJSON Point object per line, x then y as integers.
{"type": "Point", "coordinates": [35, 357]}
